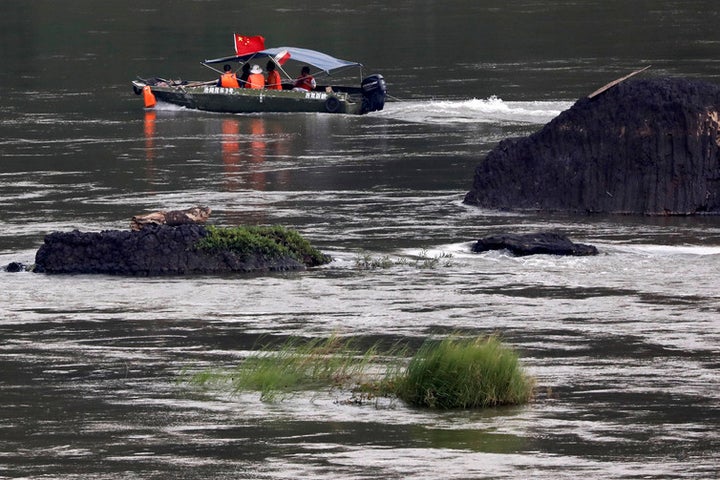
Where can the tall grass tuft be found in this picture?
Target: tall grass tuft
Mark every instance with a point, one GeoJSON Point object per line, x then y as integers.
{"type": "Point", "coordinates": [464, 373]}
{"type": "Point", "coordinates": [296, 365]}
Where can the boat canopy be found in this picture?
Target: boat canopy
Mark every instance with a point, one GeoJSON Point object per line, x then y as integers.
{"type": "Point", "coordinates": [317, 59]}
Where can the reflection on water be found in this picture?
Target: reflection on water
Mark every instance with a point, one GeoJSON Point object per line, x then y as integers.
{"type": "Point", "coordinates": [255, 156]}
{"type": "Point", "coordinates": [231, 151]}
{"type": "Point", "coordinates": [475, 440]}
{"type": "Point", "coordinates": [149, 130]}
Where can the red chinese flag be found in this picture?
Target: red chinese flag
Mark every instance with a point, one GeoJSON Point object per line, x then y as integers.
{"type": "Point", "coordinates": [245, 45]}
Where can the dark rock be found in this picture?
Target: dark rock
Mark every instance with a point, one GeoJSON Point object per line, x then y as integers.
{"type": "Point", "coordinates": [533, 243]}
{"type": "Point", "coordinates": [642, 147]}
{"type": "Point", "coordinates": [153, 250]}
{"type": "Point", "coordinates": [14, 267]}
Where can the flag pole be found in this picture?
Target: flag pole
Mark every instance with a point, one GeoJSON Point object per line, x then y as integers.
{"type": "Point", "coordinates": [275, 61]}
{"type": "Point", "coordinates": [211, 68]}
{"type": "Point", "coordinates": [281, 69]}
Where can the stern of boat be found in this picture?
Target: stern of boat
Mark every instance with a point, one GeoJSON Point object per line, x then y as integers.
{"type": "Point", "coordinates": [374, 91]}
{"type": "Point", "coordinates": [137, 86]}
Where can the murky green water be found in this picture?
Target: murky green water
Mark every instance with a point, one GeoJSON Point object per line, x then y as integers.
{"type": "Point", "coordinates": [624, 346]}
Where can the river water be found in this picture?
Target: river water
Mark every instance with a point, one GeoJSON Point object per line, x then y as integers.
{"type": "Point", "coordinates": [624, 346]}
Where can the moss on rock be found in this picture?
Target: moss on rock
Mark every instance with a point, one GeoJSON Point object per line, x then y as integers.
{"type": "Point", "coordinates": [270, 242]}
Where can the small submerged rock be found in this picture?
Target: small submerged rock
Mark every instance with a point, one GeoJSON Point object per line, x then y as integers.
{"type": "Point", "coordinates": [14, 267]}
{"type": "Point", "coordinates": [547, 243]}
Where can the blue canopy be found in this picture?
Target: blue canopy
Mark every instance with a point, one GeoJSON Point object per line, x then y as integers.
{"type": "Point", "coordinates": [319, 60]}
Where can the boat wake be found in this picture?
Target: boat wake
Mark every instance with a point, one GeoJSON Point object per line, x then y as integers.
{"type": "Point", "coordinates": [673, 250]}
{"type": "Point", "coordinates": [489, 110]}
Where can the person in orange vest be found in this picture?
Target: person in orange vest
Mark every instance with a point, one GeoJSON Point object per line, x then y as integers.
{"type": "Point", "coordinates": [305, 81]}
{"type": "Point", "coordinates": [228, 78]}
{"type": "Point", "coordinates": [256, 78]}
{"type": "Point", "coordinates": [273, 77]}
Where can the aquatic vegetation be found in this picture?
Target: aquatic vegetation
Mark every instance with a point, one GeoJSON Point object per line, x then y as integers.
{"type": "Point", "coordinates": [297, 365]}
{"type": "Point", "coordinates": [426, 261]}
{"type": "Point", "coordinates": [453, 373]}
{"type": "Point", "coordinates": [268, 241]}
{"type": "Point", "coordinates": [366, 261]}
{"type": "Point", "coordinates": [464, 373]}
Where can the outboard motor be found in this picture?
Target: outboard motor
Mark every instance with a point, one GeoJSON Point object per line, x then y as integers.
{"type": "Point", "coordinates": [374, 92]}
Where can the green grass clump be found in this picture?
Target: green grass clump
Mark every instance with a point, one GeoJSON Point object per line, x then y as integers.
{"type": "Point", "coordinates": [464, 373]}
{"type": "Point", "coordinates": [269, 242]}
{"type": "Point", "coordinates": [294, 366]}
{"type": "Point", "coordinates": [451, 374]}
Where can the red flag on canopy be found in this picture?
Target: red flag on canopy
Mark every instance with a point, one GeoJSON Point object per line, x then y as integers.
{"type": "Point", "coordinates": [245, 45]}
{"type": "Point", "coordinates": [282, 57]}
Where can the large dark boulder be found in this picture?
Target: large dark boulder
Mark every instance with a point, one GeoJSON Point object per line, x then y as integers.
{"type": "Point", "coordinates": [642, 147]}
{"type": "Point", "coordinates": [166, 250]}
{"type": "Point", "coordinates": [548, 243]}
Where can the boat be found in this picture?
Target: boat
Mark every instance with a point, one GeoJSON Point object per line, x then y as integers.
{"type": "Point", "coordinates": [368, 96]}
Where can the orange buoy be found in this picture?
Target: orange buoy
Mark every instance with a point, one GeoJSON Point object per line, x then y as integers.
{"type": "Point", "coordinates": [148, 97]}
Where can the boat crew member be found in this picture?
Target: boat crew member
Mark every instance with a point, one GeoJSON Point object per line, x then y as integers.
{"type": "Point", "coordinates": [305, 81]}
{"type": "Point", "coordinates": [244, 76]}
{"type": "Point", "coordinates": [273, 77]}
{"type": "Point", "coordinates": [256, 78]}
{"type": "Point", "coordinates": [228, 78]}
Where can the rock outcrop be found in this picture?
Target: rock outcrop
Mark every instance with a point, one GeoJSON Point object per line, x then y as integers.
{"type": "Point", "coordinates": [547, 243]}
{"type": "Point", "coordinates": [166, 250]}
{"type": "Point", "coordinates": [642, 147]}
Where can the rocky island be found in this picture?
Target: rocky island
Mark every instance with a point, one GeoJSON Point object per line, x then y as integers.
{"type": "Point", "coordinates": [180, 247]}
{"type": "Point", "coordinates": [648, 147]}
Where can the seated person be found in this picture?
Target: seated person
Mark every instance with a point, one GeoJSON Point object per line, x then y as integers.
{"type": "Point", "coordinates": [245, 74]}
{"type": "Point", "coordinates": [305, 81]}
{"type": "Point", "coordinates": [273, 77]}
{"type": "Point", "coordinates": [256, 78]}
{"type": "Point", "coordinates": [228, 78]}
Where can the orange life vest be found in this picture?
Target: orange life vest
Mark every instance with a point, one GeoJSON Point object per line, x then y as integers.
{"type": "Point", "coordinates": [229, 80]}
{"type": "Point", "coordinates": [255, 80]}
{"type": "Point", "coordinates": [273, 81]}
{"type": "Point", "coordinates": [305, 82]}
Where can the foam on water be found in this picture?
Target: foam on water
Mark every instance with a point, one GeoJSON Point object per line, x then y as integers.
{"type": "Point", "coordinates": [667, 250]}
{"type": "Point", "coordinates": [489, 110]}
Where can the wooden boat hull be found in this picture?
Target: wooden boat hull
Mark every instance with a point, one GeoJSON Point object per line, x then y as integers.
{"type": "Point", "coordinates": [244, 100]}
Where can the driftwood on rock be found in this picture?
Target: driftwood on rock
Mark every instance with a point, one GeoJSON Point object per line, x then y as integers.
{"type": "Point", "coordinates": [616, 82]}
{"type": "Point", "coordinates": [172, 218]}
{"type": "Point", "coordinates": [547, 243]}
